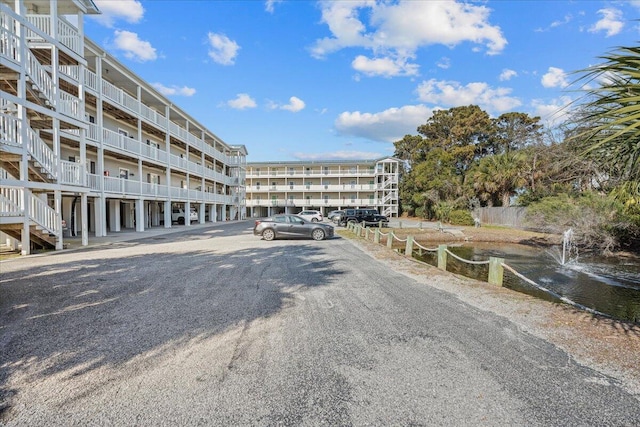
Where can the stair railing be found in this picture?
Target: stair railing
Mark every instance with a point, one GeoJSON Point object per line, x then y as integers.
{"type": "Point", "coordinates": [41, 152]}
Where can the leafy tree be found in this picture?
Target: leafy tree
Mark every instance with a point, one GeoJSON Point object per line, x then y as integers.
{"type": "Point", "coordinates": [463, 132]}
{"type": "Point", "coordinates": [514, 131]}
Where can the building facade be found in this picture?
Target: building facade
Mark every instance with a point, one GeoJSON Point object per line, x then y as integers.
{"type": "Point", "coordinates": [87, 147]}
{"type": "Point", "coordinates": [290, 187]}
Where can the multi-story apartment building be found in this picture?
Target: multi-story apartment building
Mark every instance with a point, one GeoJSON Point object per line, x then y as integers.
{"type": "Point", "coordinates": [274, 187]}
{"type": "Point", "coordinates": [87, 147]}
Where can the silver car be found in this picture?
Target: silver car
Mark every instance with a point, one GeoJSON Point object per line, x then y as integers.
{"type": "Point", "coordinates": [279, 226]}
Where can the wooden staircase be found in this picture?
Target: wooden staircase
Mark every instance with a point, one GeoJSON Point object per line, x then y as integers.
{"type": "Point", "coordinates": [40, 238]}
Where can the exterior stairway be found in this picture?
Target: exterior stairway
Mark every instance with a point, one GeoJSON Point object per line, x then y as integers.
{"type": "Point", "coordinates": [40, 238]}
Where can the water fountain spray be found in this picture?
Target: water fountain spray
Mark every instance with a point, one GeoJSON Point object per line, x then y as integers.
{"type": "Point", "coordinates": [567, 242]}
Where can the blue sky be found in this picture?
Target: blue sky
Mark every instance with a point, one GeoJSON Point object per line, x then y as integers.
{"type": "Point", "coordinates": [307, 80]}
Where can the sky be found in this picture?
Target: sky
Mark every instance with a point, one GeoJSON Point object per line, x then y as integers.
{"type": "Point", "coordinates": [341, 80]}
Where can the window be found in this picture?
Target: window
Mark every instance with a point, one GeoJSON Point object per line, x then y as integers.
{"type": "Point", "coordinates": [290, 171]}
{"type": "Point", "coordinates": [326, 170]}
{"type": "Point", "coordinates": [290, 185]}
{"type": "Point", "coordinates": [353, 184]}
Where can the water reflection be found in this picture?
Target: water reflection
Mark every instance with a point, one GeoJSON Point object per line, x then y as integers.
{"type": "Point", "coordinates": [609, 285]}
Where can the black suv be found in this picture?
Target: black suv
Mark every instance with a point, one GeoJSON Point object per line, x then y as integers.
{"type": "Point", "coordinates": [364, 216]}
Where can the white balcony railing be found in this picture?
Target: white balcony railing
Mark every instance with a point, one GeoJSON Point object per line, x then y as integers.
{"type": "Point", "coordinates": [67, 34]}
{"type": "Point", "coordinates": [10, 130]}
{"type": "Point", "coordinates": [70, 105]}
{"type": "Point", "coordinates": [153, 116]}
{"type": "Point", "coordinates": [136, 188]}
{"type": "Point", "coordinates": [9, 43]}
{"type": "Point", "coordinates": [71, 173]}
{"type": "Point", "coordinates": [315, 188]}
{"type": "Point", "coordinates": [72, 71]}
{"type": "Point", "coordinates": [91, 80]}
{"type": "Point", "coordinates": [11, 201]}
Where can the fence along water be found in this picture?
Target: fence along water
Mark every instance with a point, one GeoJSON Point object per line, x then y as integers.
{"type": "Point", "coordinates": [496, 266]}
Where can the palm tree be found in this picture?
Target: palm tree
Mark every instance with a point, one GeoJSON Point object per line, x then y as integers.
{"type": "Point", "coordinates": [611, 112]}
{"type": "Point", "coordinates": [497, 177]}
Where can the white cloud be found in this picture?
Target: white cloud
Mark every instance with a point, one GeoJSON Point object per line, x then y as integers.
{"type": "Point", "coordinates": [386, 67]}
{"type": "Point", "coordinates": [611, 22]}
{"type": "Point", "coordinates": [295, 104]}
{"type": "Point", "coordinates": [338, 155]}
{"type": "Point", "coordinates": [444, 63]}
{"type": "Point", "coordinates": [130, 11]}
{"type": "Point", "coordinates": [386, 126]}
{"type": "Point", "coordinates": [507, 74]}
{"type": "Point", "coordinates": [174, 90]}
{"type": "Point", "coordinates": [554, 112]}
{"type": "Point", "coordinates": [133, 47]}
{"type": "Point", "coordinates": [270, 4]}
{"type": "Point", "coordinates": [555, 77]}
{"type": "Point", "coordinates": [221, 49]}
{"type": "Point", "coordinates": [396, 30]}
{"type": "Point", "coordinates": [242, 102]}
{"type": "Point", "coordinates": [454, 94]}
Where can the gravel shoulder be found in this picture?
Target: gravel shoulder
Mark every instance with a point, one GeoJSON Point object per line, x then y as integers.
{"type": "Point", "coordinates": [606, 345]}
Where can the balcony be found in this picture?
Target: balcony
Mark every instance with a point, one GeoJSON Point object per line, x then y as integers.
{"type": "Point", "coordinates": [316, 202]}
{"type": "Point", "coordinates": [133, 188]}
{"type": "Point", "coordinates": [314, 188]}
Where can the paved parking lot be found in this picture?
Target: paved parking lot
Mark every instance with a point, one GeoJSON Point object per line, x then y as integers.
{"type": "Point", "coordinates": [213, 326]}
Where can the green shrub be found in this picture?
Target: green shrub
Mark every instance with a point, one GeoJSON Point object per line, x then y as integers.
{"type": "Point", "coordinates": [461, 217]}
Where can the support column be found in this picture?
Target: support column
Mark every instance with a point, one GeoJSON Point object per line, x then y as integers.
{"type": "Point", "coordinates": [101, 213]}
{"type": "Point", "coordinates": [114, 215]}
{"type": "Point", "coordinates": [167, 214]}
{"type": "Point", "coordinates": [84, 214]}
{"type": "Point", "coordinates": [140, 215]}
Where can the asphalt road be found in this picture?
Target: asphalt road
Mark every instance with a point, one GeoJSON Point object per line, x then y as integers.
{"type": "Point", "coordinates": [217, 327]}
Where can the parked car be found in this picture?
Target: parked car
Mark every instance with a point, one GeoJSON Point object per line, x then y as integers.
{"type": "Point", "coordinates": [177, 215]}
{"type": "Point", "coordinates": [286, 225]}
{"type": "Point", "coordinates": [335, 215]}
{"type": "Point", "coordinates": [313, 216]}
{"type": "Point", "coordinates": [369, 217]}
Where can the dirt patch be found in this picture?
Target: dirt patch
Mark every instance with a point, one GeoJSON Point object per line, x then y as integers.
{"type": "Point", "coordinates": [606, 345]}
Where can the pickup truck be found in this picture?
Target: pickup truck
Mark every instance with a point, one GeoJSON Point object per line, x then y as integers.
{"type": "Point", "coordinates": [365, 216]}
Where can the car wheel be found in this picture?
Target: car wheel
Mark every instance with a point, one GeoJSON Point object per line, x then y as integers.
{"type": "Point", "coordinates": [181, 221]}
{"type": "Point", "coordinates": [317, 234]}
{"type": "Point", "coordinates": [351, 221]}
{"type": "Point", "coordinates": [314, 219]}
{"type": "Point", "coordinates": [268, 234]}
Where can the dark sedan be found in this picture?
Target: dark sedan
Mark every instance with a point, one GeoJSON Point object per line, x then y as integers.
{"type": "Point", "coordinates": [279, 226]}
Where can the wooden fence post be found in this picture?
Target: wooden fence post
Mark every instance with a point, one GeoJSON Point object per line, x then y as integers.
{"type": "Point", "coordinates": [408, 249]}
{"type": "Point", "coordinates": [390, 239]}
{"type": "Point", "coordinates": [376, 237]}
{"type": "Point", "coordinates": [496, 271]}
{"type": "Point", "coordinates": [442, 257]}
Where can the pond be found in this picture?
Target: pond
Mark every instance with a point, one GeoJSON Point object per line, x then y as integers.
{"type": "Point", "coordinates": [610, 285]}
